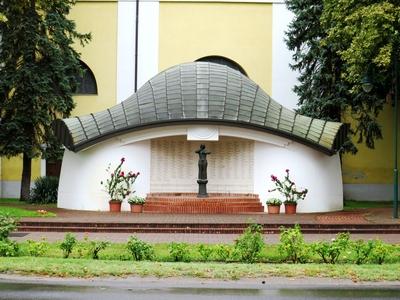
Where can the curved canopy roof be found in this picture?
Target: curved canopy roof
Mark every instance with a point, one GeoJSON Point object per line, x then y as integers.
{"type": "Point", "coordinates": [199, 93]}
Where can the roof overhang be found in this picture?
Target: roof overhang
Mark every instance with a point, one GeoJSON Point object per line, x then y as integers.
{"type": "Point", "coordinates": [199, 93]}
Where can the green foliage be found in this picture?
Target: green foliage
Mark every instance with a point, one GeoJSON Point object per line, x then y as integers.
{"type": "Point", "coordinates": [205, 251]}
{"type": "Point", "coordinates": [139, 249]}
{"type": "Point", "coordinates": [68, 244]}
{"type": "Point", "coordinates": [179, 251]}
{"type": "Point", "coordinates": [8, 248]}
{"type": "Point", "coordinates": [222, 252]}
{"type": "Point", "coordinates": [37, 248]}
{"type": "Point", "coordinates": [362, 250]}
{"type": "Point", "coordinates": [336, 44]}
{"type": "Point", "coordinates": [7, 225]}
{"type": "Point", "coordinates": [96, 247]}
{"type": "Point", "coordinates": [380, 252]}
{"type": "Point", "coordinates": [45, 190]}
{"type": "Point", "coordinates": [38, 74]}
{"type": "Point", "coordinates": [292, 245]}
{"type": "Point", "coordinates": [274, 201]}
{"type": "Point", "coordinates": [249, 245]}
{"type": "Point", "coordinates": [330, 251]}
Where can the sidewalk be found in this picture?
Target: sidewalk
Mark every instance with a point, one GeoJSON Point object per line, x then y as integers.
{"type": "Point", "coordinates": [359, 217]}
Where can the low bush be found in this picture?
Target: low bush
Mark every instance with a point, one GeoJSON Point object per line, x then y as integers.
{"type": "Point", "coordinates": [179, 251]}
{"type": "Point", "coordinates": [44, 191]}
{"type": "Point", "coordinates": [362, 250]}
{"type": "Point", "coordinates": [96, 246]}
{"type": "Point", "coordinates": [292, 245]}
{"type": "Point", "coordinates": [222, 252]}
{"type": "Point", "coordinates": [139, 249]}
{"type": "Point", "coordinates": [250, 244]}
{"type": "Point", "coordinates": [380, 252]}
{"type": "Point", "coordinates": [8, 248]}
{"type": "Point", "coordinates": [7, 225]}
{"type": "Point", "coordinates": [331, 251]}
{"type": "Point", "coordinates": [205, 251]}
{"type": "Point", "coordinates": [68, 244]}
{"type": "Point", "coordinates": [37, 248]}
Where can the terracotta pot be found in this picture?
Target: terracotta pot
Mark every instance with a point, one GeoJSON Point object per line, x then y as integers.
{"type": "Point", "coordinates": [115, 206]}
{"type": "Point", "coordinates": [136, 208]}
{"type": "Point", "coordinates": [274, 209]}
{"type": "Point", "coordinates": [290, 208]}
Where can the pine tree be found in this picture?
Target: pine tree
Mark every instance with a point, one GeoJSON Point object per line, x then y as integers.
{"type": "Point", "coordinates": [38, 69]}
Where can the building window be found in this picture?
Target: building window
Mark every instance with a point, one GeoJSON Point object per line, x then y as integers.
{"type": "Point", "coordinates": [87, 82]}
{"type": "Point", "coordinates": [223, 61]}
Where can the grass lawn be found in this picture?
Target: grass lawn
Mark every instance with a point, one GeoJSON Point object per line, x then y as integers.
{"type": "Point", "coordinates": [92, 268]}
{"type": "Point", "coordinates": [18, 209]}
{"type": "Point", "coordinates": [17, 212]}
{"type": "Point", "coordinates": [352, 204]}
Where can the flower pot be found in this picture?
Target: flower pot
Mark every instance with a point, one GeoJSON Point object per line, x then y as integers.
{"type": "Point", "coordinates": [290, 208]}
{"type": "Point", "coordinates": [274, 209]}
{"type": "Point", "coordinates": [136, 208]}
{"type": "Point", "coordinates": [115, 206]}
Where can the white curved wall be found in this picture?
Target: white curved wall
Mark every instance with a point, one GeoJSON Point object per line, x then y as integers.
{"type": "Point", "coordinates": [82, 172]}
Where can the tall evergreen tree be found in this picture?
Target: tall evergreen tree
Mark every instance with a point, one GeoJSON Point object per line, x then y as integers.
{"type": "Point", "coordinates": [323, 90]}
{"type": "Point", "coordinates": [38, 68]}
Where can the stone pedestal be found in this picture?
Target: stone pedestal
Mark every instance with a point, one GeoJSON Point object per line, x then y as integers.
{"type": "Point", "coordinates": [202, 188]}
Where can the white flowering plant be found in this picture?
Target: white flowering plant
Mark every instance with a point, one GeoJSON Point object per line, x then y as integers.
{"type": "Point", "coordinates": [119, 184]}
{"type": "Point", "coordinates": [288, 189]}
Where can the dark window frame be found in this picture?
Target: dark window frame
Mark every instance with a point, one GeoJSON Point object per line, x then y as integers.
{"type": "Point", "coordinates": [224, 61]}
{"type": "Point", "coordinates": [87, 84]}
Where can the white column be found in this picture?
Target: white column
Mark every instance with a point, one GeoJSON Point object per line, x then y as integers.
{"type": "Point", "coordinates": [42, 167]}
{"type": "Point", "coordinates": [283, 77]}
{"type": "Point", "coordinates": [147, 45]}
{"type": "Point", "coordinates": [126, 49]}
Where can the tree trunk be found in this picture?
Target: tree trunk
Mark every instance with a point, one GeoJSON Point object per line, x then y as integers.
{"type": "Point", "coordinates": [26, 177]}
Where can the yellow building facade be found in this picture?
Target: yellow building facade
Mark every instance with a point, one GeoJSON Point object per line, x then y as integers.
{"type": "Point", "coordinates": [249, 33]}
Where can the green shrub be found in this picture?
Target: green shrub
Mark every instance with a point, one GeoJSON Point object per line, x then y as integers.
{"type": "Point", "coordinates": [222, 252]}
{"type": "Point", "coordinates": [44, 191]}
{"type": "Point", "coordinates": [179, 251]}
{"type": "Point", "coordinates": [380, 252]}
{"type": "Point", "coordinates": [7, 225]}
{"type": "Point", "coordinates": [139, 249]}
{"type": "Point", "coordinates": [292, 245]}
{"type": "Point", "coordinates": [37, 248]}
{"type": "Point", "coordinates": [8, 248]}
{"type": "Point", "coordinates": [362, 250]}
{"type": "Point", "coordinates": [250, 244]}
{"type": "Point", "coordinates": [68, 244]}
{"type": "Point", "coordinates": [205, 251]}
{"type": "Point", "coordinates": [96, 247]}
{"type": "Point", "coordinates": [330, 251]}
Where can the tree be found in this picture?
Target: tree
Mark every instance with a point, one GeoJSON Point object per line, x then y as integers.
{"type": "Point", "coordinates": [364, 33]}
{"type": "Point", "coordinates": [325, 88]}
{"type": "Point", "coordinates": [38, 68]}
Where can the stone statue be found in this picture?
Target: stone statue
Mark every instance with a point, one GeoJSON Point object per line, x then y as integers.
{"type": "Point", "coordinates": [202, 161]}
{"type": "Point", "coordinates": [202, 179]}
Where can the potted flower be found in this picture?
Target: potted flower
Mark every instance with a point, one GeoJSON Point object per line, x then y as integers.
{"type": "Point", "coordinates": [274, 205]}
{"type": "Point", "coordinates": [288, 189]}
{"type": "Point", "coordinates": [136, 203]}
{"type": "Point", "coordinates": [118, 185]}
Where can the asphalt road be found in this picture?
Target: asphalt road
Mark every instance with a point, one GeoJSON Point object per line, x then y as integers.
{"type": "Point", "coordinates": [22, 288]}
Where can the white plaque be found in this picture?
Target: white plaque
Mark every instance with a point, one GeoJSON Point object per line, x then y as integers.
{"type": "Point", "coordinates": [203, 133]}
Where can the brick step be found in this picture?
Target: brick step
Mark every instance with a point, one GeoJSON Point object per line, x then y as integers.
{"type": "Point", "coordinates": [216, 203]}
{"type": "Point", "coordinates": [303, 226]}
{"type": "Point", "coordinates": [208, 201]}
{"type": "Point", "coordinates": [199, 230]}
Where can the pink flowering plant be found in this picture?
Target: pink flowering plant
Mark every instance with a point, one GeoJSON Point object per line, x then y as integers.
{"type": "Point", "coordinates": [119, 184]}
{"type": "Point", "coordinates": [288, 189]}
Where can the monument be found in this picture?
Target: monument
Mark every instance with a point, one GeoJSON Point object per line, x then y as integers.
{"type": "Point", "coordinates": [202, 178]}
